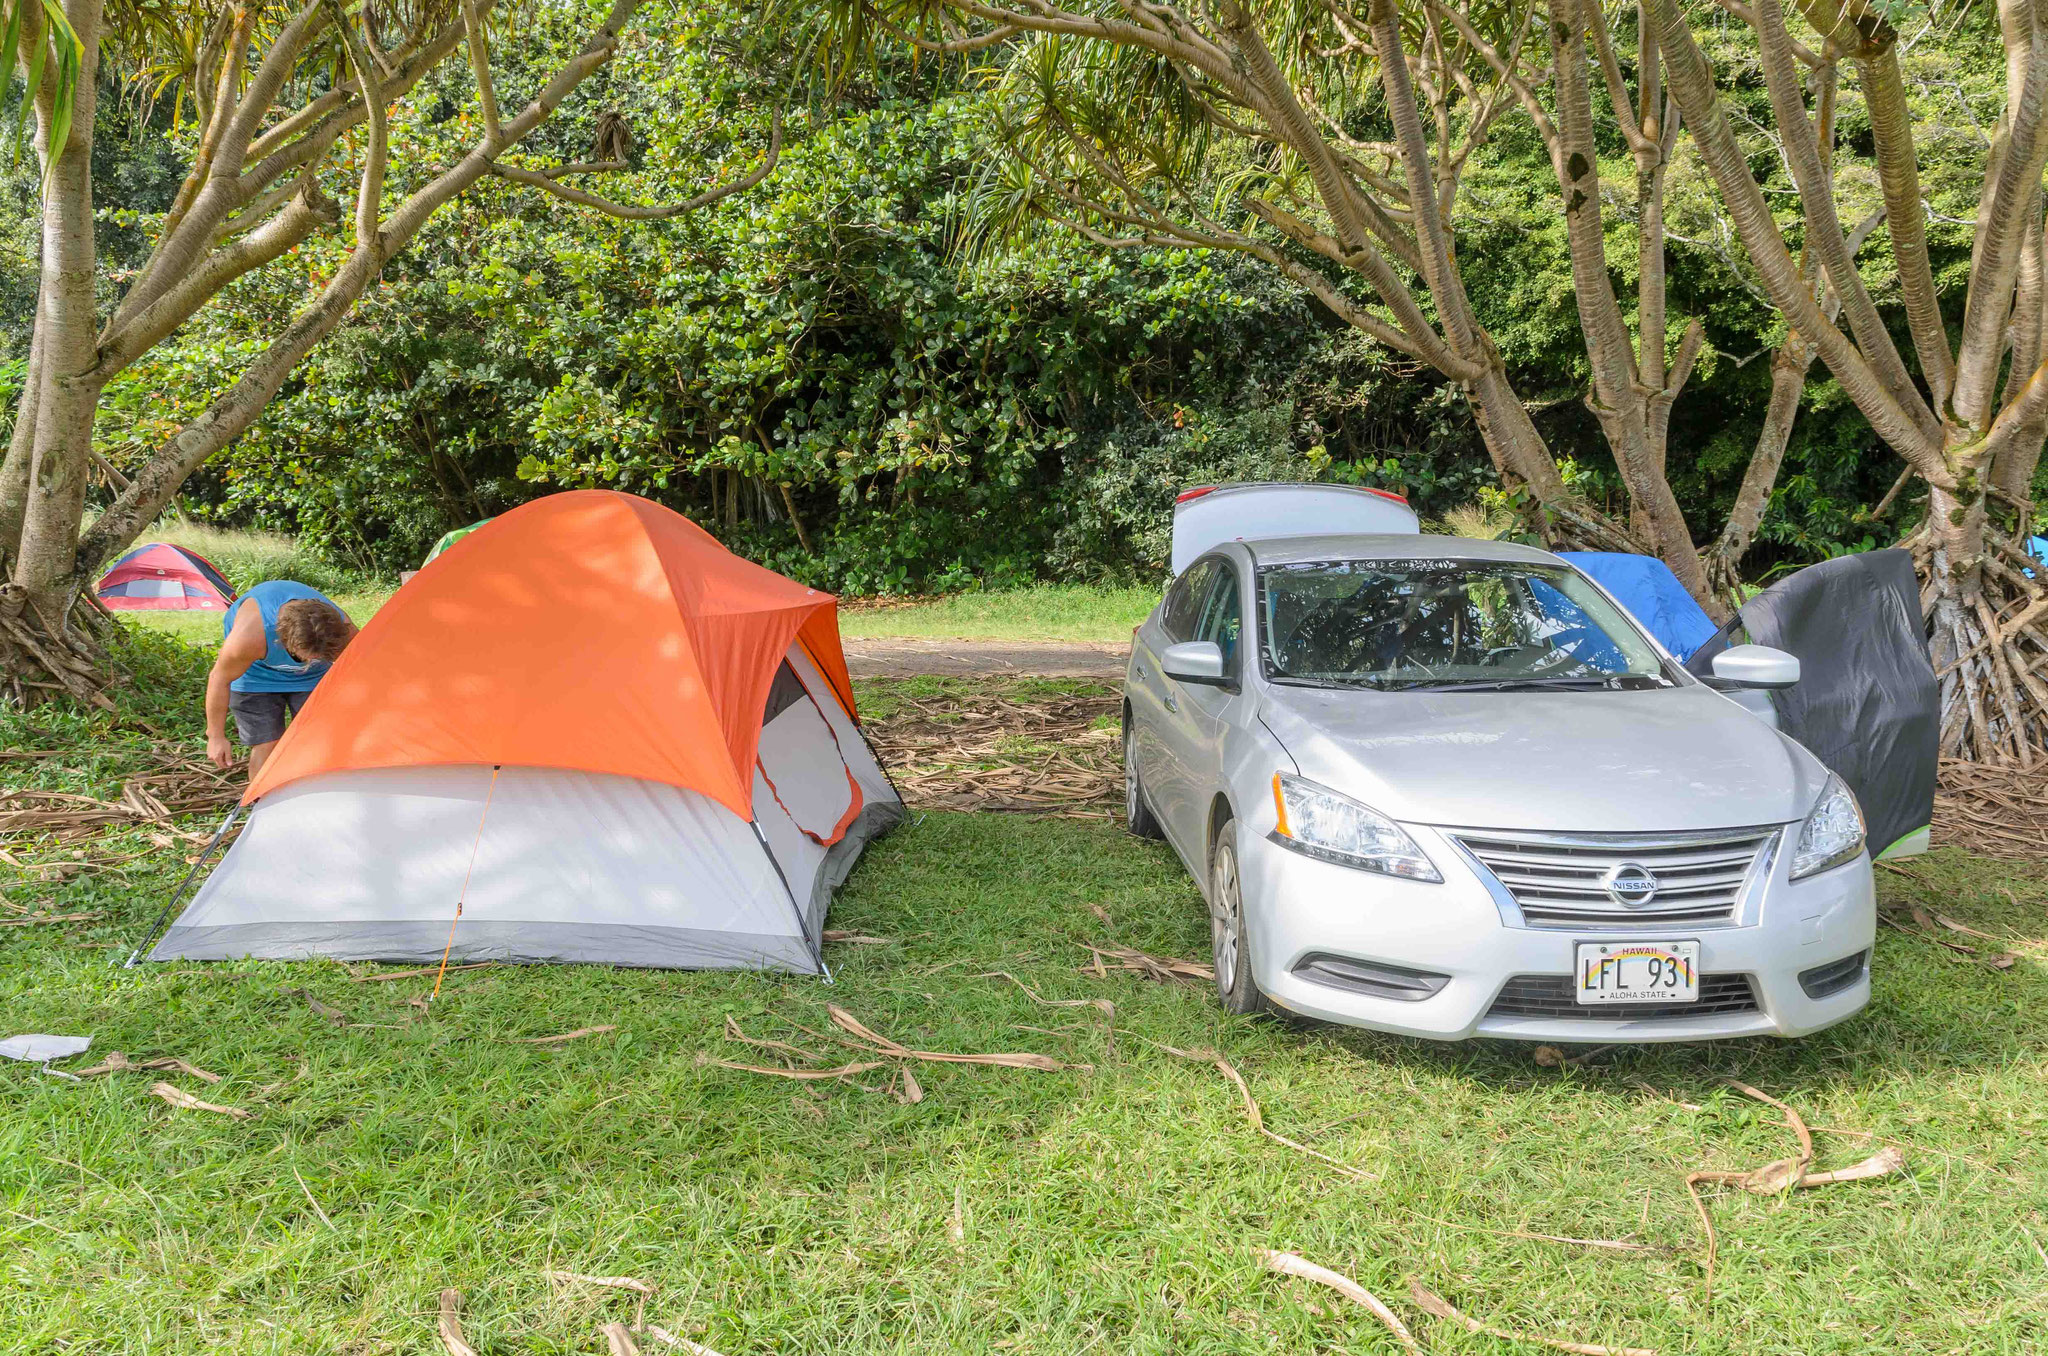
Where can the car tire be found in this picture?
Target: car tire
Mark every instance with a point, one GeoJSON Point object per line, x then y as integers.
{"type": "Point", "coordinates": [1229, 949]}
{"type": "Point", "coordinates": [1137, 814]}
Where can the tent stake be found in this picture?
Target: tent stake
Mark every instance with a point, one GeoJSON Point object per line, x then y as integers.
{"type": "Point", "coordinates": [197, 862]}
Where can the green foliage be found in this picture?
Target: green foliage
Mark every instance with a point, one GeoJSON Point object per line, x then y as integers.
{"type": "Point", "coordinates": [822, 349]}
{"type": "Point", "coordinates": [811, 346]}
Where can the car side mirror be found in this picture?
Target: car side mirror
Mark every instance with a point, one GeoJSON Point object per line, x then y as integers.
{"type": "Point", "coordinates": [1756, 666]}
{"type": "Point", "coordinates": [1196, 661]}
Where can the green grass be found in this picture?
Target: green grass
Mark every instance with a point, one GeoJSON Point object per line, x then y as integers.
{"type": "Point", "coordinates": [1050, 612]}
{"type": "Point", "coordinates": [1109, 1209]}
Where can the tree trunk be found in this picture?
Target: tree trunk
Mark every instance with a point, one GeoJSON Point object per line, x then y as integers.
{"type": "Point", "coordinates": [1789, 366]}
{"type": "Point", "coordinates": [40, 643]}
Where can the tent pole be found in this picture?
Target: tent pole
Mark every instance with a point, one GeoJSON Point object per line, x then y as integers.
{"type": "Point", "coordinates": [802, 929]}
{"type": "Point", "coordinates": [197, 862]}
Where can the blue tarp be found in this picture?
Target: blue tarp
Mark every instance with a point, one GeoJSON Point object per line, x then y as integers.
{"type": "Point", "coordinates": [1647, 588]}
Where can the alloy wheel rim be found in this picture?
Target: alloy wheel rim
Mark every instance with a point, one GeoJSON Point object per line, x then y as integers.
{"type": "Point", "coordinates": [1223, 920]}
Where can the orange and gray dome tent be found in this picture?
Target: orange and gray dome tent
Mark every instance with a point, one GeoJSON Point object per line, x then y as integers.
{"type": "Point", "coordinates": [605, 736]}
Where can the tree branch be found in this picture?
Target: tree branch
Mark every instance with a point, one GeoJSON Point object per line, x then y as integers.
{"type": "Point", "coordinates": [548, 182]}
{"type": "Point", "coordinates": [370, 192]}
{"type": "Point", "coordinates": [480, 66]}
{"type": "Point", "coordinates": [1898, 176]}
{"type": "Point", "coordinates": [1823, 226]}
{"type": "Point", "coordinates": [306, 211]}
{"type": "Point", "coordinates": [2015, 177]}
{"type": "Point", "coordinates": [1692, 86]}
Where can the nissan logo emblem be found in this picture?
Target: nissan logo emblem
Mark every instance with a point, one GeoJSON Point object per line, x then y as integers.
{"type": "Point", "coordinates": [1630, 884]}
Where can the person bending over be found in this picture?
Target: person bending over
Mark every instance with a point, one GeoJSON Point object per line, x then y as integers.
{"type": "Point", "coordinates": [277, 641]}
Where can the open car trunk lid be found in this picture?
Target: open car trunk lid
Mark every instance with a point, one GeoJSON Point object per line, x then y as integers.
{"type": "Point", "coordinates": [1213, 514]}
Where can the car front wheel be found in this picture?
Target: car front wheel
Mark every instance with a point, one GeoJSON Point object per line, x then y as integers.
{"type": "Point", "coordinates": [1235, 987]}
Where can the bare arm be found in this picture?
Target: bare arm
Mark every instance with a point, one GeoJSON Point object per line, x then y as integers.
{"type": "Point", "coordinates": [243, 646]}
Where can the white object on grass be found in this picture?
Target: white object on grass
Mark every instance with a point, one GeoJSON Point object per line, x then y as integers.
{"type": "Point", "coordinates": [37, 1048]}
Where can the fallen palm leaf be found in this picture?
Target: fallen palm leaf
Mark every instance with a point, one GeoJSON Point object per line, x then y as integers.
{"type": "Point", "coordinates": [1257, 1118]}
{"type": "Point", "coordinates": [451, 1324]}
{"type": "Point", "coordinates": [116, 1062]}
{"type": "Point", "coordinates": [334, 1016]}
{"type": "Point", "coordinates": [313, 1200]}
{"type": "Point", "coordinates": [1550, 1057]}
{"type": "Point", "coordinates": [415, 974]}
{"type": "Point", "coordinates": [1293, 1264]}
{"type": "Point", "coordinates": [633, 1283]}
{"type": "Point", "coordinates": [614, 1282]}
{"type": "Point", "coordinates": [1926, 919]}
{"type": "Point", "coordinates": [50, 918]}
{"type": "Point", "coordinates": [1782, 1175]}
{"type": "Point", "coordinates": [1994, 811]}
{"type": "Point", "coordinates": [1163, 969]}
{"type": "Point", "coordinates": [855, 938]}
{"type": "Point", "coordinates": [733, 1033]}
{"type": "Point", "coordinates": [907, 1089]}
{"type": "Point", "coordinates": [1883, 1163]}
{"type": "Point", "coordinates": [184, 1100]}
{"type": "Point", "coordinates": [850, 1024]}
{"type": "Point", "coordinates": [1102, 1005]}
{"type": "Point", "coordinates": [268, 1088]}
{"type": "Point", "coordinates": [578, 1034]}
{"type": "Point", "coordinates": [693, 1348]}
{"type": "Point", "coordinates": [801, 1075]}
{"type": "Point", "coordinates": [2003, 960]}
{"type": "Point", "coordinates": [956, 1223]}
{"type": "Point", "coordinates": [1610, 1244]}
{"type": "Point", "coordinates": [1436, 1304]}
{"type": "Point", "coordinates": [620, 1340]}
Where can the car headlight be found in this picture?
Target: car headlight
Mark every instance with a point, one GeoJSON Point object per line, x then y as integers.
{"type": "Point", "coordinates": [1832, 833]}
{"type": "Point", "coordinates": [1323, 823]}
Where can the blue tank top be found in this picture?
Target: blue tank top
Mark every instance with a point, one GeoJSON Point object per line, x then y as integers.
{"type": "Point", "coordinates": [277, 671]}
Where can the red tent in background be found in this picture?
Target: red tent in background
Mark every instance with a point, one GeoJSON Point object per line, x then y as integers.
{"type": "Point", "coordinates": [160, 575]}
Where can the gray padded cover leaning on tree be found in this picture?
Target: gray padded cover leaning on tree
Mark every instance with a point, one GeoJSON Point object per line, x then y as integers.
{"type": "Point", "coordinates": [1867, 703]}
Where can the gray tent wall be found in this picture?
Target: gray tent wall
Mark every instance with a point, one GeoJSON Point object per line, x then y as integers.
{"type": "Point", "coordinates": [569, 866]}
{"type": "Point", "coordinates": [1867, 703]}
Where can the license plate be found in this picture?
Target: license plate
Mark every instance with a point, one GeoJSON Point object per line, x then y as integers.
{"type": "Point", "coordinates": [1638, 972]}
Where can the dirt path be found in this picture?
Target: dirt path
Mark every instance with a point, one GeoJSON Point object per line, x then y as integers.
{"type": "Point", "coordinates": [897, 658]}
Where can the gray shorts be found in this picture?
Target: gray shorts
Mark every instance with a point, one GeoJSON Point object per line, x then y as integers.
{"type": "Point", "coordinates": [260, 716]}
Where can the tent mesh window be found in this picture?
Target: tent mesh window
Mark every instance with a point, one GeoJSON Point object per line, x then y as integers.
{"type": "Point", "coordinates": [785, 692]}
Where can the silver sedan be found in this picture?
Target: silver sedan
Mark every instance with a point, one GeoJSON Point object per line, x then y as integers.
{"type": "Point", "coordinates": [1450, 788]}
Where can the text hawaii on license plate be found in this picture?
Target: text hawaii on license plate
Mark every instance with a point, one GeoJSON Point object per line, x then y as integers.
{"type": "Point", "coordinates": [1638, 972]}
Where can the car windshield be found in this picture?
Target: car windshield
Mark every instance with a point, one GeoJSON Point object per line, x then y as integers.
{"type": "Point", "coordinates": [1447, 623]}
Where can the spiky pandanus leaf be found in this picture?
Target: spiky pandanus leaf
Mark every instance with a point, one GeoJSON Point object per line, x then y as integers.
{"type": "Point", "coordinates": [35, 35]}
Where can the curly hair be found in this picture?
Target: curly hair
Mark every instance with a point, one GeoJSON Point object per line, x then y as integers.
{"type": "Point", "coordinates": [313, 630]}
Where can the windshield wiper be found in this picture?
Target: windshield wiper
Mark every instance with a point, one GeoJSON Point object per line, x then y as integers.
{"type": "Point", "coordinates": [1611, 682]}
{"type": "Point", "coordinates": [1337, 684]}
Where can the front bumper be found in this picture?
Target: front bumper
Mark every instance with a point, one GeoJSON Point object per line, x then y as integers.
{"type": "Point", "coordinates": [1299, 909]}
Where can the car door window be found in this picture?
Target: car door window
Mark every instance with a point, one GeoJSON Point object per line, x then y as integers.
{"type": "Point", "coordinates": [1185, 599]}
{"type": "Point", "coordinates": [1221, 620]}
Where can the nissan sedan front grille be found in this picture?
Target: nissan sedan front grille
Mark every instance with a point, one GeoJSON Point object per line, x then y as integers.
{"type": "Point", "coordinates": [1550, 996]}
{"type": "Point", "coordinates": [1623, 880]}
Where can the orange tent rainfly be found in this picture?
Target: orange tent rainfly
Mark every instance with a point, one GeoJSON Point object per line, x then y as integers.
{"type": "Point", "coordinates": [679, 775]}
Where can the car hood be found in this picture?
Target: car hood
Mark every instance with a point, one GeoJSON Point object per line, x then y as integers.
{"type": "Point", "coordinates": [1591, 762]}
